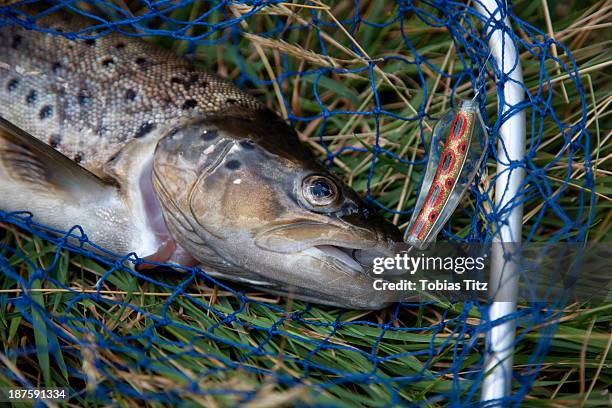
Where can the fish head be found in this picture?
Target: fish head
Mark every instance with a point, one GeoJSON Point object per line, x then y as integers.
{"type": "Point", "coordinates": [242, 195]}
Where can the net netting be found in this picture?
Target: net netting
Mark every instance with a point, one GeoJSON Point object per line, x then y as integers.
{"type": "Point", "coordinates": [363, 82]}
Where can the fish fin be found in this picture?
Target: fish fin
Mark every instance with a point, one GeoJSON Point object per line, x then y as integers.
{"type": "Point", "coordinates": [59, 193]}
{"type": "Point", "coordinates": [29, 160]}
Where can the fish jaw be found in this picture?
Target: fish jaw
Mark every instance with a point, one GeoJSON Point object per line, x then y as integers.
{"type": "Point", "coordinates": [324, 274]}
{"type": "Point", "coordinates": [336, 266]}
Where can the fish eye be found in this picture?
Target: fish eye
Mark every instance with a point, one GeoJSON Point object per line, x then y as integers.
{"type": "Point", "coordinates": [320, 191]}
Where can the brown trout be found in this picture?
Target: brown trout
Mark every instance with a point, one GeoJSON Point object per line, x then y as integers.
{"type": "Point", "coordinates": [153, 156]}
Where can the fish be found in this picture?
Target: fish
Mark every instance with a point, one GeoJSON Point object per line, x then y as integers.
{"type": "Point", "coordinates": [152, 155]}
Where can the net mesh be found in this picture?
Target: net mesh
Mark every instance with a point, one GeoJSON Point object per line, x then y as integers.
{"type": "Point", "coordinates": [363, 83]}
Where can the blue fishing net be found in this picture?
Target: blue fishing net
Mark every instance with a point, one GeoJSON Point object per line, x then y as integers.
{"type": "Point", "coordinates": [363, 82]}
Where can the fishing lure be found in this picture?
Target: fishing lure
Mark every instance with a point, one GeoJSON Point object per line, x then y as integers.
{"type": "Point", "coordinates": [457, 148]}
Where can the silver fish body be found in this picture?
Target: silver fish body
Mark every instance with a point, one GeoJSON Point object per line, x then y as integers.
{"type": "Point", "coordinates": [153, 156]}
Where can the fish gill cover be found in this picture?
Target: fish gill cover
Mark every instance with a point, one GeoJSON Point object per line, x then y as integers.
{"type": "Point", "coordinates": [363, 82]}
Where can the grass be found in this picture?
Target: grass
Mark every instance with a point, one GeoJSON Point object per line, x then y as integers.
{"type": "Point", "coordinates": [134, 338]}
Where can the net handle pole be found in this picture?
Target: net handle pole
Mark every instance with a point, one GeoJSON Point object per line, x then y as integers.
{"type": "Point", "coordinates": [511, 147]}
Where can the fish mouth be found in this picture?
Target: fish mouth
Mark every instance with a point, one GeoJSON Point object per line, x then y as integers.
{"type": "Point", "coordinates": [339, 256]}
{"type": "Point", "coordinates": [337, 248]}
{"type": "Point", "coordinates": [346, 259]}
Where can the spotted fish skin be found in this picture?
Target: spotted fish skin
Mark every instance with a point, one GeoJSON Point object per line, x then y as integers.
{"type": "Point", "coordinates": [88, 98]}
